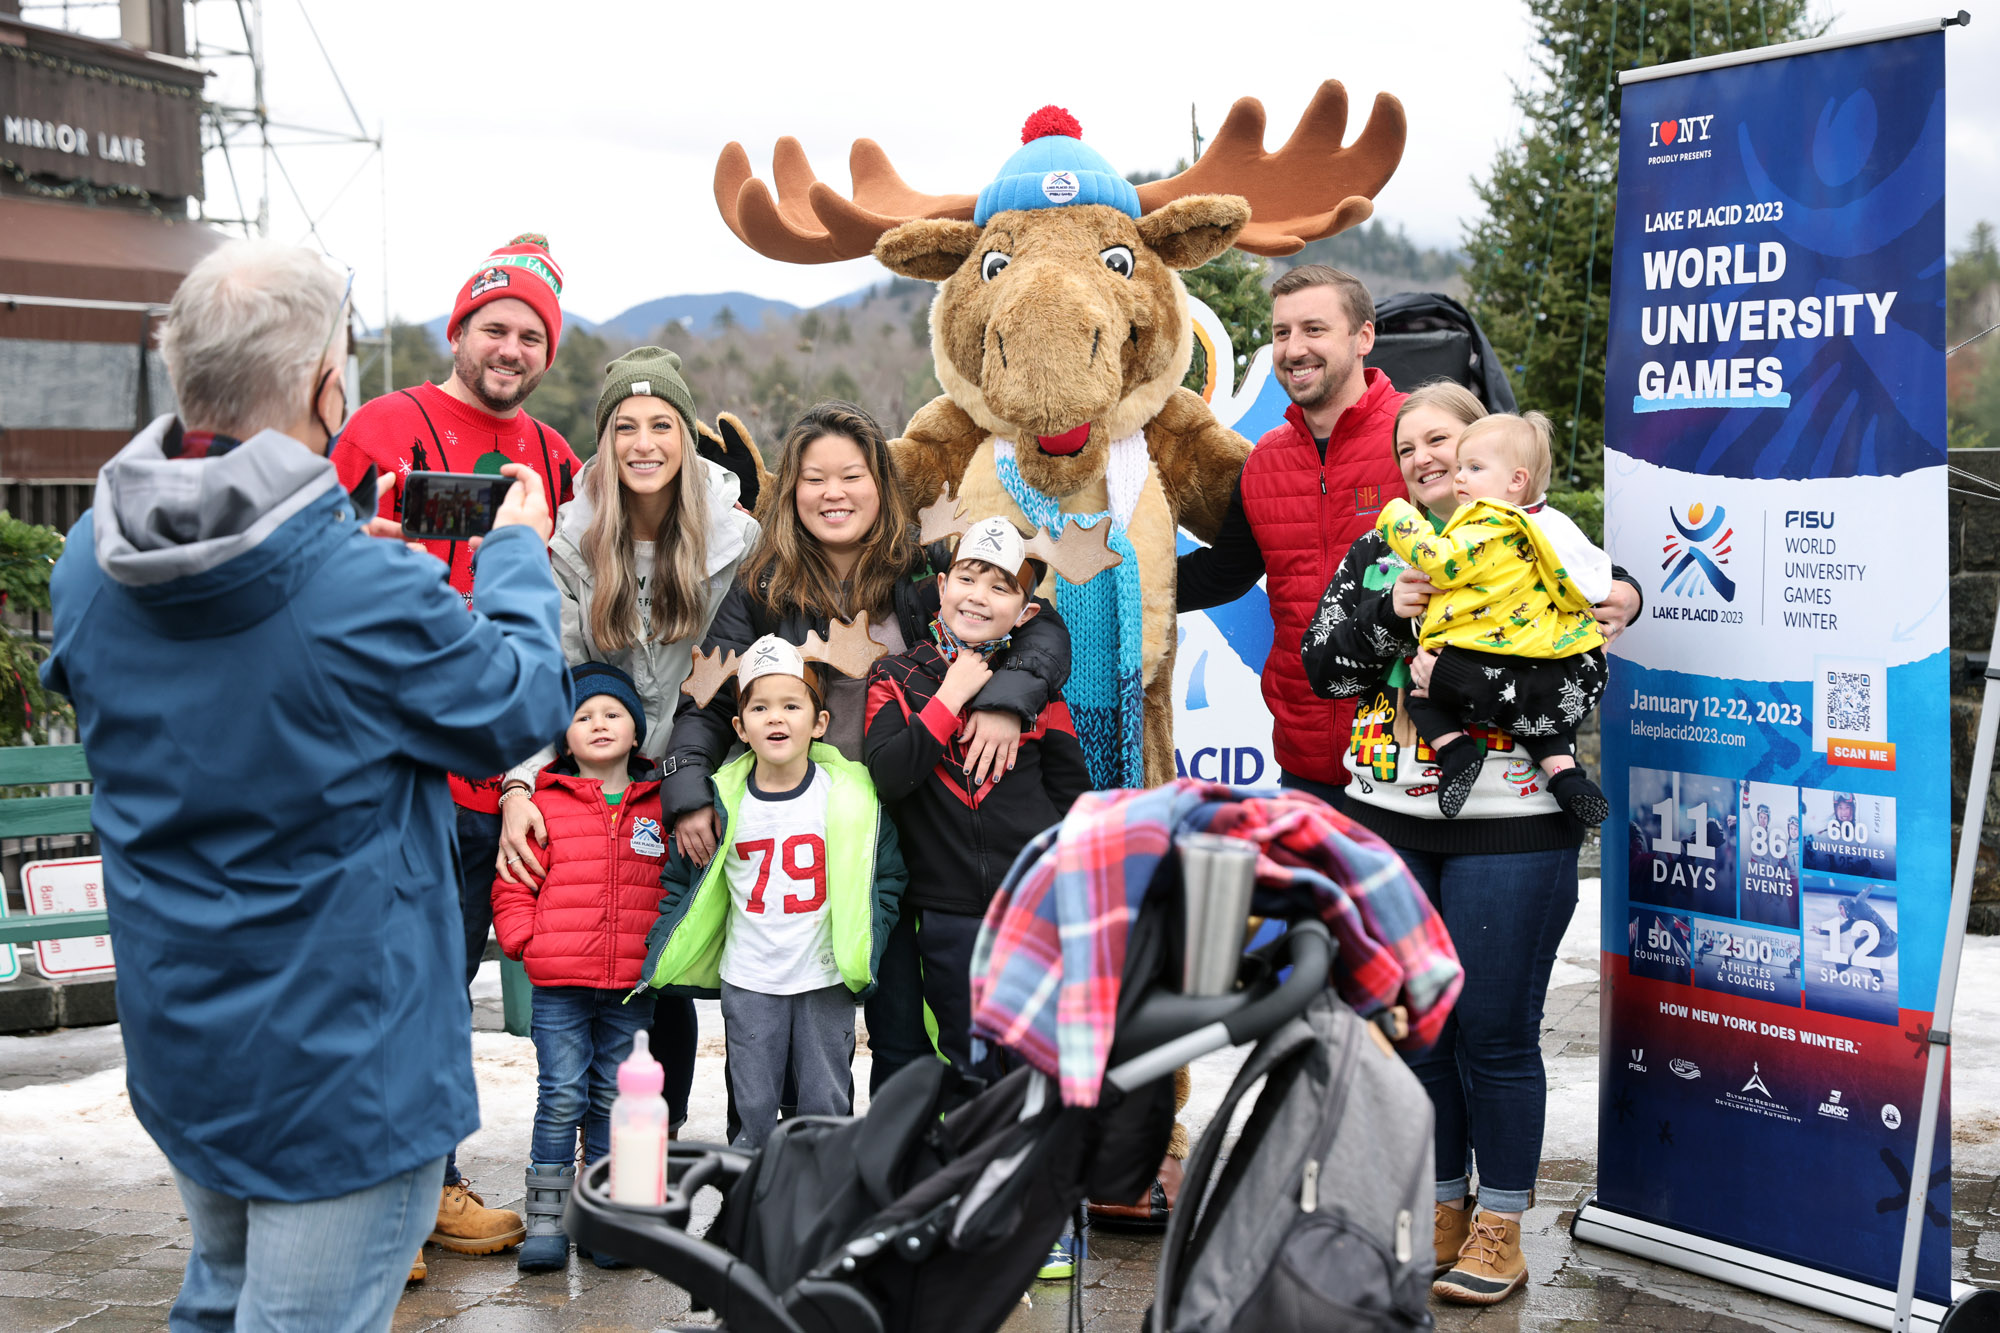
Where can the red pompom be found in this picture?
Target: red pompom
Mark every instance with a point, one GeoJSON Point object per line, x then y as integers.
{"type": "Point", "coordinates": [1050, 120]}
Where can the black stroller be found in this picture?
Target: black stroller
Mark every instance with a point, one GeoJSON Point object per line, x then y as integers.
{"type": "Point", "coordinates": [935, 1209]}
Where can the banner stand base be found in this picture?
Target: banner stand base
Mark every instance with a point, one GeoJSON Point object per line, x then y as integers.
{"type": "Point", "coordinates": [1973, 1309]}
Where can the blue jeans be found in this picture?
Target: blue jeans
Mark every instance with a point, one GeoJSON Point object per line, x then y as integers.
{"type": "Point", "coordinates": [330, 1266]}
{"type": "Point", "coordinates": [580, 1035]}
{"type": "Point", "coordinates": [1326, 791]}
{"type": "Point", "coordinates": [1506, 913]}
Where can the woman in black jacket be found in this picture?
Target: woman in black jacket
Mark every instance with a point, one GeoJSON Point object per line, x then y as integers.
{"type": "Point", "coordinates": [839, 541]}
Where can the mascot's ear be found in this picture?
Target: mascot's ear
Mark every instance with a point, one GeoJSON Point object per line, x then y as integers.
{"type": "Point", "coordinates": [1189, 232]}
{"type": "Point", "coordinates": [932, 248]}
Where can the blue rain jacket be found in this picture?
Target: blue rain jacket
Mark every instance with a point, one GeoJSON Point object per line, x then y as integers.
{"type": "Point", "coordinates": [270, 700]}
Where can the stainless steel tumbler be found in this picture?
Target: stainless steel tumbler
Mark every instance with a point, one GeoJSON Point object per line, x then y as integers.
{"type": "Point", "coordinates": [1217, 873]}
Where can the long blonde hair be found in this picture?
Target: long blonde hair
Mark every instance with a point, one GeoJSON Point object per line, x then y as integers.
{"type": "Point", "coordinates": [789, 569]}
{"type": "Point", "coordinates": [679, 576]}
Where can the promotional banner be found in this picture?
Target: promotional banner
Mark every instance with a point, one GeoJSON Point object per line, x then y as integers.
{"type": "Point", "coordinates": [1776, 729]}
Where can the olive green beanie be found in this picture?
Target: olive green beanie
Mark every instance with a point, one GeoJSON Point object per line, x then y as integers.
{"type": "Point", "coordinates": [646, 372]}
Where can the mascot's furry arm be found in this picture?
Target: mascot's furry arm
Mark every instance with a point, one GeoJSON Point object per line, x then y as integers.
{"type": "Point", "coordinates": [933, 451]}
{"type": "Point", "coordinates": [1199, 460]}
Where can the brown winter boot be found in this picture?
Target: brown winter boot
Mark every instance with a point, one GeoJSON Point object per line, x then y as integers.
{"type": "Point", "coordinates": [1449, 1228]}
{"type": "Point", "coordinates": [419, 1270]}
{"type": "Point", "coordinates": [467, 1225]}
{"type": "Point", "coordinates": [1490, 1268]}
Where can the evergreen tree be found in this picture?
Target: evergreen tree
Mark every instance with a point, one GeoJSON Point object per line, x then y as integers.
{"type": "Point", "coordinates": [28, 554]}
{"type": "Point", "coordinates": [1232, 285]}
{"type": "Point", "coordinates": [1972, 375]}
{"type": "Point", "coordinates": [1539, 259]}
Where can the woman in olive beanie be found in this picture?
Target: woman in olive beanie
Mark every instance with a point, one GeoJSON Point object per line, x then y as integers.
{"type": "Point", "coordinates": [643, 555]}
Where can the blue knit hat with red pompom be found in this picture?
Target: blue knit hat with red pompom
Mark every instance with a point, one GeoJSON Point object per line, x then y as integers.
{"type": "Point", "coordinates": [1054, 168]}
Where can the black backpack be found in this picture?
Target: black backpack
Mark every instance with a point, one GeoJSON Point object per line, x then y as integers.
{"type": "Point", "coordinates": [1423, 336]}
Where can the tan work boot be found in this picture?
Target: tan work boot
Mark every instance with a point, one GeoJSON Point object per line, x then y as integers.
{"type": "Point", "coordinates": [1490, 1267]}
{"type": "Point", "coordinates": [419, 1270]}
{"type": "Point", "coordinates": [467, 1225]}
{"type": "Point", "coordinates": [1449, 1228]}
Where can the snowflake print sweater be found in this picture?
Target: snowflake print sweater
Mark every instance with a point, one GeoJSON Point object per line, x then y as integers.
{"type": "Point", "coordinates": [1355, 648]}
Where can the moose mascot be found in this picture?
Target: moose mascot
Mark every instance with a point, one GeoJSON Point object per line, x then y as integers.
{"type": "Point", "coordinates": [1061, 335]}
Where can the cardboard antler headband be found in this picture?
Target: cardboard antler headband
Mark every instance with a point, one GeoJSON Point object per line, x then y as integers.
{"type": "Point", "coordinates": [848, 648]}
{"type": "Point", "coordinates": [1080, 554]}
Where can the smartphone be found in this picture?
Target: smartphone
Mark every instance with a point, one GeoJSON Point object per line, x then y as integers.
{"type": "Point", "coordinates": [451, 506]}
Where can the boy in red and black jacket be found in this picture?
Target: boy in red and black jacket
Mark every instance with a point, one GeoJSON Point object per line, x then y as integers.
{"type": "Point", "coordinates": [960, 840]}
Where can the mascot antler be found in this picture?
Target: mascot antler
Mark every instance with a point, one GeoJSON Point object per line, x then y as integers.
{"type": "Point", "coordinates": [1079, 555]}
{"type": "Point", "coordinates": [810, 223]}
{"type": "Point", "coordinates": [1311, 188]}
{"type": "Point", "coordinates": [1289, 190]}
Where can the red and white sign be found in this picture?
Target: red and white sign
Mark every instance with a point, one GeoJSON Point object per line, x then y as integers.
{"type": "Point", "coordinates": [74, 885]}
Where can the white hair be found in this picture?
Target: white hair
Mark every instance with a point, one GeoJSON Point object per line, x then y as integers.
{"type": "Point", "coordinates": [246, 336]}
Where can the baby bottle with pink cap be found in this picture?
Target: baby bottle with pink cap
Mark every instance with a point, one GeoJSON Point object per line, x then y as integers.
{"type": "Point", "coordinates": [639, 1129]}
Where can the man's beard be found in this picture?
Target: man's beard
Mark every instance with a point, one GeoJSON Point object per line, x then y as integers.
{"type": "Point", "coordinates": [1332, 375]}
{"type": "Point", "coordinates": [472, 373]}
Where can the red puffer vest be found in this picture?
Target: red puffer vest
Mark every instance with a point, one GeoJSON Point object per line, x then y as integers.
{"type": "Point", "coordinates": [1306, 513]}
{"type": "Point", "coordinates": [587, 926]}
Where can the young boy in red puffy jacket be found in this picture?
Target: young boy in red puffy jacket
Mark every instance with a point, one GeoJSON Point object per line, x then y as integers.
{"type": "Point", "coordinates": [583, 938]}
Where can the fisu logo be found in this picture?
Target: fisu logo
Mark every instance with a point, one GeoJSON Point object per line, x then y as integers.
{"type": "Point", "coordinates": [1681, 129]}
{"type": "Point", "coordinates": [1695, 552]}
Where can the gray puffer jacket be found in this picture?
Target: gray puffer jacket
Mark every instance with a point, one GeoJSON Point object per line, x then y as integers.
{"type": "Point", "coordinates": [657, 669]}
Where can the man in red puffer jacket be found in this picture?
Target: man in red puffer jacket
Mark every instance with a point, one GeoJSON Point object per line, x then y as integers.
{"type": "Point", "coordinates": [1309, 488]}
{"type": "Point", "coordinates": [583, 939]}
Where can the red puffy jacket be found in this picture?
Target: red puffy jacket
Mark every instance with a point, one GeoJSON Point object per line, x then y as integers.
{"type": "Point", "coordinates": [1306, 512]}
{"type": "Point", "coordinates": [587, 926]}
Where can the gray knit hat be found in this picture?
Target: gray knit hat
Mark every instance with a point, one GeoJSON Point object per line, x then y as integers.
{"type": "Point", "coordinates": [646, 372]}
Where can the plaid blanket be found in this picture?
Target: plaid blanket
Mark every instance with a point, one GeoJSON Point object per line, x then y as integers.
{"type": "Point", "coordinates": [1051, 954]}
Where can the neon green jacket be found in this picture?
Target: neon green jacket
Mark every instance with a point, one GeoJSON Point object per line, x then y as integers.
{"type": "Point", "coordinates": [864, 885]}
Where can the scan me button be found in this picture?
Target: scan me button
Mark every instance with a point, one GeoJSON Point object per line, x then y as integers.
{"type": "Point", "coordinates": [1861, 754]}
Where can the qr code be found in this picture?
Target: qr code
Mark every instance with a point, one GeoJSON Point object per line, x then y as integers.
{"type": "Point", "coordinates": [1849, 701]}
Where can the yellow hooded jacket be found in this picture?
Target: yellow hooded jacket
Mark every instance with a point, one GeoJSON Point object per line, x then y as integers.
{"type": "Point", "coordinates": [1503, 589]}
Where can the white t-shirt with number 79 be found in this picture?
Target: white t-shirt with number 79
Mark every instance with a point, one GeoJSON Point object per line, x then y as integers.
{"type": "Point", "coordinates": [780, 933]}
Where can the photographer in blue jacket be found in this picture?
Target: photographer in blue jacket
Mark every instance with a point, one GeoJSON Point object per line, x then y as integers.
{"type": "Point", "coordinates": [270, 697]}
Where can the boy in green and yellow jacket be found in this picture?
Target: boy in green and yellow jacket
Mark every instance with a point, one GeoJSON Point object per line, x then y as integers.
{"type": "Point", "coordinates": [788, 921]}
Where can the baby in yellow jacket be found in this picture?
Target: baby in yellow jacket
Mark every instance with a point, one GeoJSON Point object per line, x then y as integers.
{"type": "Point", "coordinates": [1516, 582]}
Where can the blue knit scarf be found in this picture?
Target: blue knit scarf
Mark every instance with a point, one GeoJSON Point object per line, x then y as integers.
{"type": "Point", "coordinates": [1106, 619]}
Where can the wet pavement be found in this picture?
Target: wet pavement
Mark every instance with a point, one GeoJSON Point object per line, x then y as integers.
{"type": "Point", "coordinates": [96, 1240]}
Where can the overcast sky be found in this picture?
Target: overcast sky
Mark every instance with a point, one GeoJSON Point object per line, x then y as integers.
{"type": "Point", "coordinates": [598, 123]}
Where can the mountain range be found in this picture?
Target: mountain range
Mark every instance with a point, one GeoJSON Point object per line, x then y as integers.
{"type": "Point", "coordinates": [642, 321]}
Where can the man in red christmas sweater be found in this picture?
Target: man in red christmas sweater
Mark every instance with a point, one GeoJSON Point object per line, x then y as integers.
{"type": "Point", "coordinates": [503, 332]}
{"type": "Point", "coordinates": [1309, 488]}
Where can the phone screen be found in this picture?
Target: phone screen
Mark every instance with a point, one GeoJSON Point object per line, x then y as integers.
{"type": "Point", "coordinates": [451, 506]}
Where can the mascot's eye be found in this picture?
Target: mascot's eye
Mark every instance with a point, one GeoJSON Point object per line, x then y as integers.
{"type": "Point", "coordinates": [990, 266]}
{"type": "Point", "coordinates": [1118, 259]}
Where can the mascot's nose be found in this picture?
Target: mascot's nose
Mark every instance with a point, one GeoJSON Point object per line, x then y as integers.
{"type": "Point", "coordinates": [1049, 369]}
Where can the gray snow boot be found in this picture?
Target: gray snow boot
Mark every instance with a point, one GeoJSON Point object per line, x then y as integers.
{"type": "Point", "coordinates": [547, 1247]}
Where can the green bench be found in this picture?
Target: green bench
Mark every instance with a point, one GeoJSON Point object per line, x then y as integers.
{"type": "Point", "coordinates": [46, 816]}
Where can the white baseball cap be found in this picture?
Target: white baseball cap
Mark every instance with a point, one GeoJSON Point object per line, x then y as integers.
{"type": "Point", "coordinates": [770, 656]}
{"type": "Point", "coordinates": [997, 542]}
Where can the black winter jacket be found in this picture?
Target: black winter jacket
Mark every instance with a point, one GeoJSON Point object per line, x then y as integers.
{"type": "Point", "coordinates": [1035, 670]}
{"type": "Point", "coordinates": [959, 842]}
